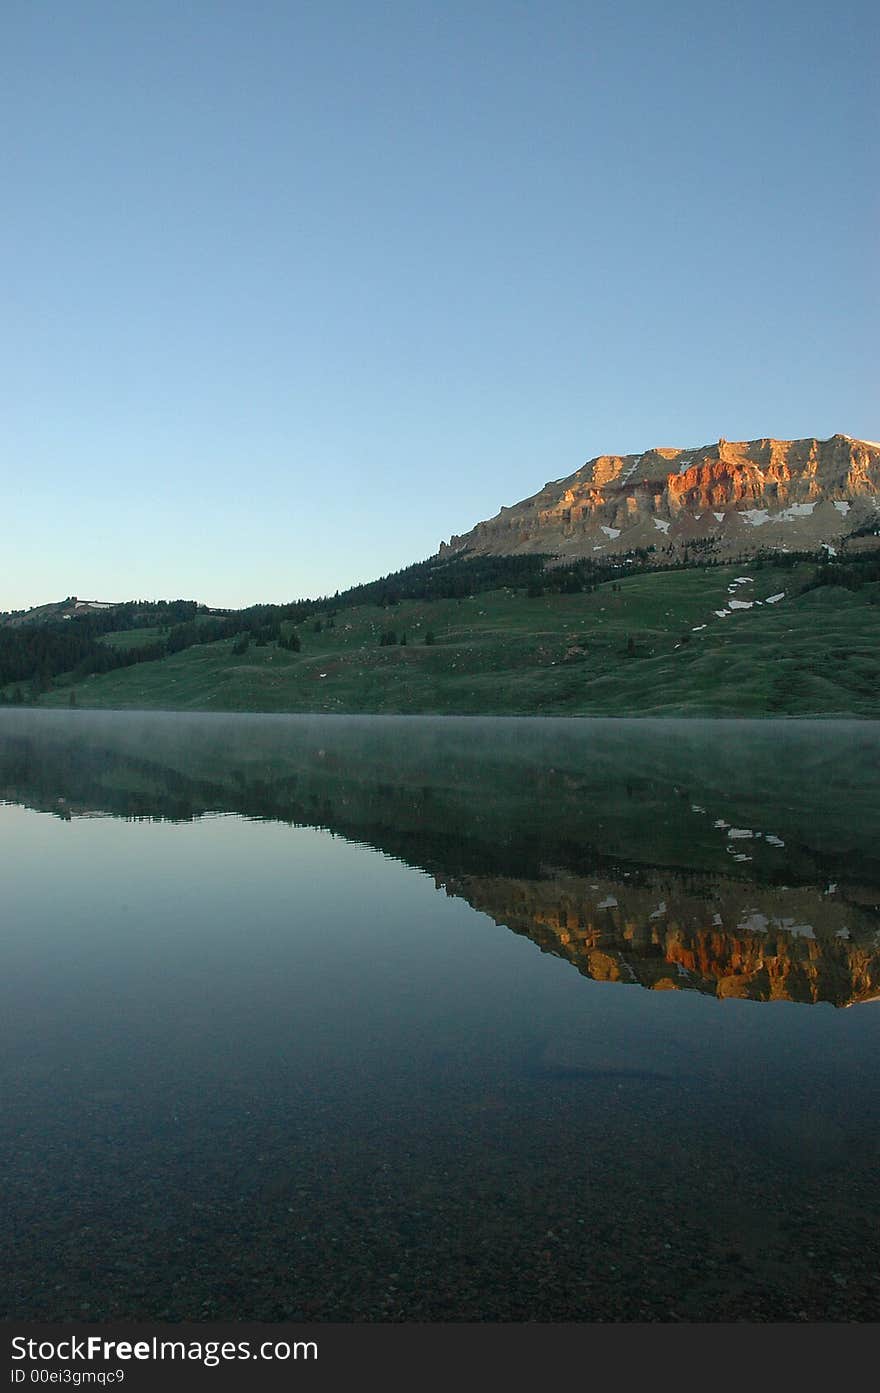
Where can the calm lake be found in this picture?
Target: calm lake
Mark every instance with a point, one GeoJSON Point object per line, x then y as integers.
{"type": "Point", "coordinates": [414, 1019]}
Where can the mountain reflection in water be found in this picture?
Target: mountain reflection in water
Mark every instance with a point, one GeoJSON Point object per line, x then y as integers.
{"type": "Point", "coordinates": [733, 858]}
{"type": "Point", "coordinates": [256, 1066]}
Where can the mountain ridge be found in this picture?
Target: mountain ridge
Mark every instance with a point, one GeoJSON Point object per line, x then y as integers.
{"type": "Point", "coordinates": [726, 499]}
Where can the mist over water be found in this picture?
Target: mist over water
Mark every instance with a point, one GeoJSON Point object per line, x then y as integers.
{"type": "Point", "coordinates": [423, 1019]}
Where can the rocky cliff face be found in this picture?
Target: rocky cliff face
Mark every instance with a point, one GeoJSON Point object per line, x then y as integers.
{"type": "Point", "coordinates": [723, 500]}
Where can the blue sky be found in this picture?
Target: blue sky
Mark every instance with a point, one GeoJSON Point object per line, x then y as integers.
{"type": "Point", "coordinates": [293, 291]}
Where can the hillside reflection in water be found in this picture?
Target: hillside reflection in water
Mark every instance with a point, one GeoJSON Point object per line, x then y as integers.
{"type": "Point", "coordinates": [255, 1069]}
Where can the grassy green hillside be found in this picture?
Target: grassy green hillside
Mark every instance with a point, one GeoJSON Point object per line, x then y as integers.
{"type": "Point", "coordinates": [647, 644]}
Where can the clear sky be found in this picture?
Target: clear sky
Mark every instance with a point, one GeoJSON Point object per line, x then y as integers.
{"type": "Point", "coordinates": [295, 289]}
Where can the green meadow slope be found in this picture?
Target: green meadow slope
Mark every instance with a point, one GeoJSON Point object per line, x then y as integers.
{"type": "Point", "coordinates": [650, 643]}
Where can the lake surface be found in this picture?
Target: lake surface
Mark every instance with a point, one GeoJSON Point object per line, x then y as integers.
{"type": "Point", "coordinates": [405, 1019]}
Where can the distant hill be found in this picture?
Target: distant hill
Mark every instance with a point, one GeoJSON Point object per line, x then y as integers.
{"type": "Point", "coordinates": [59, 609]}
{"type": "Point", "coordinates": [125, 613]}
{"type": "Point", "coordinates": [722, 500]}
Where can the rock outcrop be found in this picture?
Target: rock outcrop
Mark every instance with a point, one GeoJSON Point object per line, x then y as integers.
{"type": "Point", "coordinates": [727, 499]}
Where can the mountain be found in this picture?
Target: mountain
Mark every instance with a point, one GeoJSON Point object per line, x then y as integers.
{"type": "Point", "coordinates": [562, 605]}
{"type": "Point", "coordinates": [725, 500]}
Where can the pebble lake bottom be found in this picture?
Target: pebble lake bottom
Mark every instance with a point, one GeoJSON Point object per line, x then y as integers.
{"type": "Point", "coordinates": [300, 1031]}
